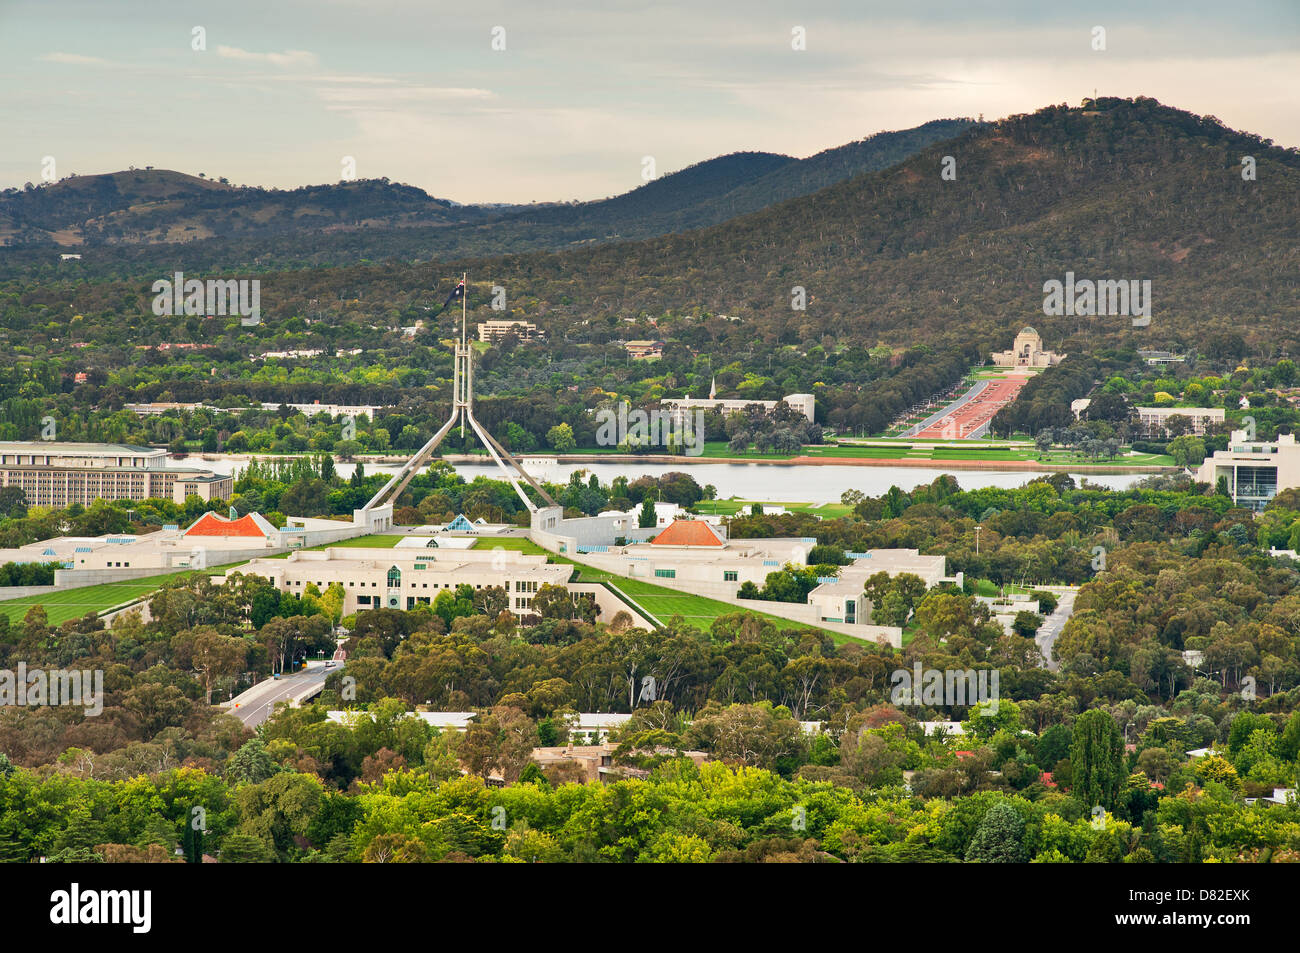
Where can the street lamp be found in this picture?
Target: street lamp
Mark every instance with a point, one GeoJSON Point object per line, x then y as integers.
{"type": "Point", "coordinates": [977, 539]}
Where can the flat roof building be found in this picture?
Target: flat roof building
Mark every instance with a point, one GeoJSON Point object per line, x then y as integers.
{"type": "Point", "coordinates": [1154, 421]}
{"type": "Point", "coordinates": [1255, 470]}
{"type": "Point", "coordinates": [679, 407]}
{"type": "Point", "coordinates": [493, 331]}
{"type": "Point", "coordinates": [58, 474]}
{"type": "Point", "coordinates": [404, 578]}
{"type": "Point", "coordinates": [841, 600]}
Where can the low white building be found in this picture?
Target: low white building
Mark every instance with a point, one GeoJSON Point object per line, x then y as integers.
{"type": "Point", "coordinates": [1255, 470]}
{"type": "Point", "coordinates": [1154, 421]}
{"type": "Point", "coordinates": [404, 578]}
{"type": "Point", "coordinates": [840, 599]}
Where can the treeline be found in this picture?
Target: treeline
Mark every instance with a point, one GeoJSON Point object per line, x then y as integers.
{"type": "Point", "coordinates": [1044, 401]}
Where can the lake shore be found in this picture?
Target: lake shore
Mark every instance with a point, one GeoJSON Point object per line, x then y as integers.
{"type": "Point", "coordinates": [664, 459]}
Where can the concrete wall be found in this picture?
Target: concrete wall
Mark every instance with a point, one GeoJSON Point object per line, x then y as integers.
{"type": "Point", "coordinates": [23, 592]}
{"type": "Point", "coordinates": [76, 578]}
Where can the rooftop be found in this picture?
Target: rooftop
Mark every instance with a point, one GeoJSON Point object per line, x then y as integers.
{"type": "Point", "coordinates": [688, 533]}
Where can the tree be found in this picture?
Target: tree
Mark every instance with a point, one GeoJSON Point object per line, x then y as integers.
{"type": "Point", "coordinates": [1187, 451]}
{"type": "Point", "coordinates": [553, 602]}
{"type": "Point", "coordinates": [1096, 759]}
{"type": "Point", "coordinates": [561, 438]}
{"type": "Point", "coordinates": [244, 849]}
{"type": "Point", "coordinates": [999, 839]}
{"type": "Point", "coordinates": [647, 517]}
{"type": "Point", "coordinates": [251, 763]}
{"type": "Point", "coordinates": [491, 601]}
{"type": "Point", "coordinates": [211, 654]}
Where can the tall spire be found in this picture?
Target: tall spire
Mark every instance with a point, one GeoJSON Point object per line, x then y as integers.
{"type": "Point", "coordinates": [713, 387]}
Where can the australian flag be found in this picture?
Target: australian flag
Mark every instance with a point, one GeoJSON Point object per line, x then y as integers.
{"type": "Point", "coordinates": [456, 295]}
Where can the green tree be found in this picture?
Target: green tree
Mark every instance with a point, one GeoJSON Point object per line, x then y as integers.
{"type": "Point", "coordinates": [561, 438]}
{"type": "Point", "coordinates": [1000, 837]}
{"type": "Point", "coordinates": [1096, 759]}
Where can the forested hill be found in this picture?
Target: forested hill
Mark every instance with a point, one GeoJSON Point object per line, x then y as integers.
{"type": "Point", "coordinates": [130, 223]}
{"type": "Point", "coordinates": [149, 206]}
{"type": "Point", "coordinates": [712, 192]}
{"type": "Point", "coordinates": [1116, 189]}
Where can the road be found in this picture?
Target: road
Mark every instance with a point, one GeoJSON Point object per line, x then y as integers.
{"type": "Point", "coordinates": [966, 416]}
{"type": "Point", "coordinates": [256, 705]}
{"type": "Point", "coordinates": [1054, 623]}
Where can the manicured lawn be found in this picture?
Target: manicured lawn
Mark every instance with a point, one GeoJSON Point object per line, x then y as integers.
{"type": "Point", "coordinates": [515, 544]}
{"type": "Point", "coordinates": [663, 603]}
{"type": "Point", "coordinates": [732, 507]}
{"type": "Point", "coordinates": [68, 604]}
{"type": "Point", "coordinates": [376, 541]}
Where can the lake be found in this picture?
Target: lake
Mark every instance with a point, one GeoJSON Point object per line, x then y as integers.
{"type": "Point", "coordinates": [751, 481]}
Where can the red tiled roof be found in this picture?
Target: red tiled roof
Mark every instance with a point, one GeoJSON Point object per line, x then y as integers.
{"type": "Point", "coordinates": [210, 524]}
{"type": "Point", "coordinates": [687, 533]}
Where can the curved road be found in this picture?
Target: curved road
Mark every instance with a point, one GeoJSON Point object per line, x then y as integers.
{"type": "Point", "coordinates": [1051, 628]}
{"type": "Point", "coordinates": [255, 705]}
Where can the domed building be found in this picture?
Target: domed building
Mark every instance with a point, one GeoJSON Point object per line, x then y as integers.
{"type": "Point", "coordinates": [1027, 351]}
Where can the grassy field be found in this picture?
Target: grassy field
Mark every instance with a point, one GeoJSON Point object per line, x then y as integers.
{"type": "Point", "coordinates": [74, 603]}
{"type": "Point", "coordinates": [733, 506]}
{"type": "Point", "coordinates": [376, 541]}
{"type": "Point", "coordinates": [515, 544]}
{"type": "Point", "coordinates": [663, 603]}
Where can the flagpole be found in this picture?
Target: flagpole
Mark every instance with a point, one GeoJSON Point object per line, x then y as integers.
{"type": "Point", "coordinates": [464, 375]}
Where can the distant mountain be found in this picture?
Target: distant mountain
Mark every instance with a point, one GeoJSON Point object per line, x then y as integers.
{"type": "Point", "coordinates": [711, 192]}
{"type": "Point", "coordinates": [151, 206]}
{"type": "Point", "coordinates": [143, 215]}
{"type": "Point", "coordinates": [1114, 189]}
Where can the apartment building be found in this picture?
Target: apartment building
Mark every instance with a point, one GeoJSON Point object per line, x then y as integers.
{"type": "Point", "coordinates": [1154, 421]}
{"type": "Point", "coordinates": [493, 331]}
{"type": "Point", "coordinates": [59, 474]}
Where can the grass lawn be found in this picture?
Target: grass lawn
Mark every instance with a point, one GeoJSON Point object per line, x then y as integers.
{"type": "Point", "coordinates": [515, 544]}
{"type": "Point", "coordinates": [376, 541]}
{"type": "Point", "coordinates": [987, 587]}
{"type": "Point", "coordinates": [65, 604]}
{"type": "Point", "coordinates": [663, 603]}
{"type": "Point", "coordinates": [732, 507]}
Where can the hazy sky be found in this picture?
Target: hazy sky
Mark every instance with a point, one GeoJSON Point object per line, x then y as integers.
{"type": "Point", "coordinates": [413, 90]}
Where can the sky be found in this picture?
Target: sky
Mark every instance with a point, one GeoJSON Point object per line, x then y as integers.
{"type": "Point", "coordinates": [278, 93]}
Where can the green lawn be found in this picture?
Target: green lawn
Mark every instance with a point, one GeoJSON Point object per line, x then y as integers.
{"type": "Point", "coordinates": [732, 507]}
{"type": "Point", "coordinates": [515, 544]}
{"type": "Point", "coordinates": [68, 604]}
{"type": "Point", "coordinates": [376, 541]}
{"type": "Point", "coordinates": [663, 603]}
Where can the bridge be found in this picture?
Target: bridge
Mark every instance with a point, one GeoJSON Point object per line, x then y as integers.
{"type": "Point", "coordinates": [257, 704]}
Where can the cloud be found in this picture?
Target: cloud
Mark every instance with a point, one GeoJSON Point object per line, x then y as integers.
{"type": "Point", "coordinates": [387, 96]}
{"type": "Point", "coordinates": [76, 59]}
{"type": "Point", "coordinates": [287, 58]}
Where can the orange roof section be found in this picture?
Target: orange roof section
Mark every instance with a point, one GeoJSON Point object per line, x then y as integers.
{"type": "Point", "coordinates": [687, 533]}
{"type": "Point", "coordinates": [210, 524]}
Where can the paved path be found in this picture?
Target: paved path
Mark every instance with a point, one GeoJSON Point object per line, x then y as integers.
{"type": "Point", "coordinates": [258, 703]}
{"type": "Point", "coordinates": [937, 417]}
{"type": "Point", "coordinates": [1051, 628]}
{"type": "Point", "coordinates": [970, 415]}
